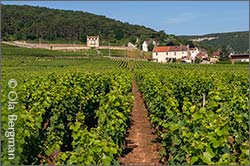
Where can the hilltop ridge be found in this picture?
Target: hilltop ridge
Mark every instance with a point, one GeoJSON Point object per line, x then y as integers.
{"type": "Point", "coordinates": [237, 41]}
{"type": "Point", "coordinates": [31, 23]}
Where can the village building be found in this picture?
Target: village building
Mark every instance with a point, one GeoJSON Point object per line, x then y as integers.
{"type": "Point", "coordinates": [215, 57]}
{"type": "Point", "coordinates": [214, 60]}
{"type": "Point", "coordinates": [216, 54]}
{"type": "Point", "coordinates": [205, 61]}
{"type": "Point", "coordinates": [239, 57]}
{"type": "Point", "coordinates": [187, 60]}
{"type": "Point", "coordinates": [155, 43]}
{"type": "Point", "coordinates": [147, 42]}
{"type": "Point", "coordinates": [137, 40]}
{"type": "Point", "coordinates": [193, 52]}
{"type": "Point", "coordinates": [145, 46]}
{"type": "Point", "coordinates": [168, 53]}
{"type": "Point", "coordinates": [202, 56]}
{"type": "Point", "coordinates": [93, 41]}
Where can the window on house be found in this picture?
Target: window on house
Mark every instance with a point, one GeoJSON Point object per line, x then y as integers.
{"type": "Point", "coordinates": [166, 53]}
{"type": "Point", "coordinates": [174, 53]}
{"type": "Point", "coordinates": [156, 53]}
{"type": "Point", "coordinates": [182, 52]}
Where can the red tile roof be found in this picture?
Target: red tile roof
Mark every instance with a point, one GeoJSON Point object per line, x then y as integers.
{"type": "Point", "coordinates": [201, 55]}
{"type": "Point", "coordinates": [216, 53]}
{"type": "Point", "coordinates": [161, 49]}
{"type": "Point", "coordinates": [169, 48]}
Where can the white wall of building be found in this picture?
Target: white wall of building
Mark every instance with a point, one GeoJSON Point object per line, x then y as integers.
{"type": "Point", "coordinates": [93, 41]}
{"type": "Point", "coordinates": [194, 52]}
{"type": "Point", "coordinates": [163, 56]}
{"type": "Point", "coordinates": [144, 47]}
{"type": "Point", "coordinates": [244, 60]}
{"type": "Point", "coordinates": [159, 56]}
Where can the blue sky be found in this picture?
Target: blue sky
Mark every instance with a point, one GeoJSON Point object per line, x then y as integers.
{"type": "Point", "coordinates": [179, 18]}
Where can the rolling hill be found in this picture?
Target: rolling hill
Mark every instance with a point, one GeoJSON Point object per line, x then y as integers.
{"type": "Point", "coordinates": [236, 41]}
{"type": "Point", "coordinates": [31, 23]}
{"type": "Point", "coordinates": [65, 26]}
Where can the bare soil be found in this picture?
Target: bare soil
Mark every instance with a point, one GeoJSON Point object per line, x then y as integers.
{"type": "Point", "coordinates": [140, 146]}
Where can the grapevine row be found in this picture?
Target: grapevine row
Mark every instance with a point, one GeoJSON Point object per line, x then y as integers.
{"type": "Point", "coordinates": [201, 117]}
{"type": "Point", "coordinates": [73, 119]}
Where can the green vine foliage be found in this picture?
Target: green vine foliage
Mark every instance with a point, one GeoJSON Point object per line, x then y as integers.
{"type": "Point", "coordinates": [190, 133]}
{"type": "Point", "coordinates": [82, 118]}
{"type": "Point", "coordinates": [73, 118]}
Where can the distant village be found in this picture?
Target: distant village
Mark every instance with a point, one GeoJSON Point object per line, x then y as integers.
{"type": "Point", "coordinates": [170, 54]}
{"type": "Point", "coordinates": [150, 47]}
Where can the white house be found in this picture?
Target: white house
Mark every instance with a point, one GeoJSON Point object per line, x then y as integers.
{"type": "Point", "coordinates": [145, 46]}
{"type": "Point", "coordinates": [167, 53]}
{"type": "Point", "coordinates": [147, 42]}
{"type": "Point", "coordinates": [194, 52]}
{"type": "Point", "coordinates": [137, 40]}
{"type": "Point", "coordinates": [93, 41]}
{"type": "Point", "coordinates": [155, 43]}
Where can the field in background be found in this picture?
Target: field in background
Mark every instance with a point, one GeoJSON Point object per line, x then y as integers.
{"type": "Point", "coordinates": [26, 61]}
{"type": "Point", "coordinates": [76, 50]}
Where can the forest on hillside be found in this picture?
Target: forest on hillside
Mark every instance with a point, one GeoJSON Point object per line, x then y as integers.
{"type": "Point", "coordinates": [34, 23]}
{"type": "Point", "coordinates": [64, 26]}
{"type": "Point", "coordinates": [237, 42]}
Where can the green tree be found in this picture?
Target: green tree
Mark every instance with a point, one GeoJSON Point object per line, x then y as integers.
{"type": "Point", "coordinates": [32, 23]}
{"type": "Point", "coordinates": [224, 54]}
{"type": "Point", "coordinates": [161, 35]}
{"type": "Point", "coordinates": [197, 60]}
{"type": "Point", "coordinates": [170, 43]}
{"type": "Point", "coordinates": [150, 47]}
{"type": "Point", "coordinates": [133, 39]}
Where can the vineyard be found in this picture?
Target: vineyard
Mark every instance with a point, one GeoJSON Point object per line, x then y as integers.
{"type": "Point", "coordinates": [201, 118]}
{"type": "Point", "coordinates": [77, 111]}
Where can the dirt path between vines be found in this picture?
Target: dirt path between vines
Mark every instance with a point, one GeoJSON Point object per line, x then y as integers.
{"type": "Point", "coordinates": [140, 148]}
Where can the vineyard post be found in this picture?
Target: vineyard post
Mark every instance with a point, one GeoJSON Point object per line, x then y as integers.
{"type": "Point", "coordinates": [204, 99]}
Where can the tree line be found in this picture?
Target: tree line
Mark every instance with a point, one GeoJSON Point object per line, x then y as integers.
{"type": "Point", "coordinates": [34, 23]}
